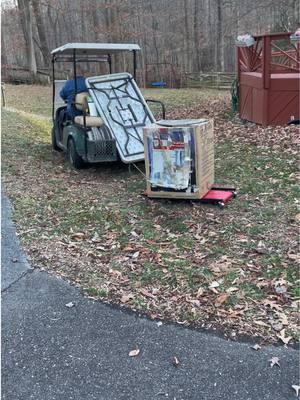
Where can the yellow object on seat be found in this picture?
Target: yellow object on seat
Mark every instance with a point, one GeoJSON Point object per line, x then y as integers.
{"type": "Point", "coordinates": [81, 100]}
{"type": "Point", "coordinates": [89, 121]}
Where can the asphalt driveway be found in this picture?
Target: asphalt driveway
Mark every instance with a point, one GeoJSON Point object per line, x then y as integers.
{"type": "Point", "coordinates": [51, 351]}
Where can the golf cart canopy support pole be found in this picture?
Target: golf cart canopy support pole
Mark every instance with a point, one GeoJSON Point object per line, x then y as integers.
{"type": "Point", "coordinates": [74, 68]}
{"type": "Point", "coordinates": [53, 87]}
{"type": "Point", "coordinates": [109, 63]}
{"type": "Point", "coordinates": [134, 64]}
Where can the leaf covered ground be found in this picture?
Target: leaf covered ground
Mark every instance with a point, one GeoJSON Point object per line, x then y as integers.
{"type": "Point", "coordinates": [234, 269]}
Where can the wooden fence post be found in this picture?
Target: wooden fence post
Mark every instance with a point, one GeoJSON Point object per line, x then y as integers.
{"type": "Point", "coordinates": [3, 102]}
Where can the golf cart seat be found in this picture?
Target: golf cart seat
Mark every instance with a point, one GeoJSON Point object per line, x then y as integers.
{"type": "Point", "coordinates": [81, 100]}
{"type": "Point", "coordinates": [81, 104]}
{"type": "Point", "coordinates": [89, 121]}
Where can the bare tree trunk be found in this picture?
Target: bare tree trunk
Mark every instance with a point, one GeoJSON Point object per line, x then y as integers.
{"type": "Point", "coordinates": [41, 31]}
{"type": "Point", "coordinates": [53, 25]}
{"type": "Point", "coordinates": [3, 50]}
{"type": "Point", "coordinates": [154, 33]}
{"type": "Point", "coordinates": [212, 48]}
{"type": "Point", "coordinates": [197, 34]}
{"type": "Point", "coordinates": [220, 37]}
{"type": "Point", "coordinates": [3, 56]}
{"type": "Point", "coordinates": [26, 19]}
{"type": "Point", "coordinates": [115, 32]}
{"type": "Point", "coordinates": [187, 35]}
{"type": "Point", "coordinates": [118, 29]}
{"type": "Point", "coordinates": [141, 33]}
{"type": "Point", "coordinates": [96, 19]}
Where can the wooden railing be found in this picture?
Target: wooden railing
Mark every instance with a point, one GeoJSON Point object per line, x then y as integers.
{"type": "Point", "coordinates": [212, 80]}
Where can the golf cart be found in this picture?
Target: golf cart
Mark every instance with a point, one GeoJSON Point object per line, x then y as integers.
{"type": "Point", "coordinates": [113, 110]}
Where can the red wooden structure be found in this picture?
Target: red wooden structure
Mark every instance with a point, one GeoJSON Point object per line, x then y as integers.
{"type": "Point", "coordinates": [269, 79]}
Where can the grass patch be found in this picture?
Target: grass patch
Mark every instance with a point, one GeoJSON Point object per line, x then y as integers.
{"type": "Point", "coordinates": [151, 273]}
{"type": "Point", "coordinates": [251, 290]}
{"type": "Point", "coordinates": [96, 292]}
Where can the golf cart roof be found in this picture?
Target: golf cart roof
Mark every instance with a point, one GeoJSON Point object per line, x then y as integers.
{"type": "Point", "coordinates": [94, 48]}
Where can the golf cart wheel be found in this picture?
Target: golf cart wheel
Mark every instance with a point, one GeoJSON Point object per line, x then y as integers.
{"type": "Point", "coordinates": [74, 158]}
{"type": "Point", "coordinates": [54, 142]}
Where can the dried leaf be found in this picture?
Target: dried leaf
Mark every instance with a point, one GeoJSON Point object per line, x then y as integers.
{"type": "Point", "coordinates": [136, 254]}
{"type": "Point", "coordinates": [295, 257]}
{"type": "Point", "coordinates": [272, 304]}
{"type": "Point", "coordinates": [195, 302]}
{"type": "Point", "coordinates": [280, 282]}
{"type": "Point", "coordinates": [283, 338]}
{"type": "Point", "coordinates": [261, 323]}
{"type": "Point", "coordinates": [115, 272]}
{"type": "Point", "coordinates": [214, 285]}
{"type": "Point", "coordinates": [296, 388]}
{"type": "Point", "coordinates": [235, 314]}
{"type": "Point", "coordinates": [277, 325]}
{"type": "Point", "coordinates": [200, 292]}
{"type": "Point", "coordinates": [274, 361]}
{"type": "Point", "coordinates": [280, 289]}
{"type": "Point", "coordinates": [101, 248]}
{"type": "Point", "coordinates": [232, 289]}
{"type": "Point", "coordinates": [297, 218]}
{"type": "Point", "coordinates": [175, 362]}
{"type": "Point", "coordinates": [261, 250]}
{"type": "Point", "coordinates": [212, 234]}
{"type": "Point", "coordinates": [128, 248]}
{"type": "Point", "coordinates": [222, 265]}
{"type": "Point", "coordinates": [78, 236]}
{"type": "Point", "coordinates": [256, 347]}
{"type": "Point", "coordinates": [147, 294]}
{"type": "Point", "coordinates": [283, 318]}
{"type": "Point", "coordinates": [127, 297]}
{"type": "Point", "coordinates": [221, 299]}
{"type": "Point", "coordinates": [134, 353]}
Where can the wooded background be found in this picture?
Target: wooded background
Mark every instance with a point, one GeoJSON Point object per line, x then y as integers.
{"type": "Point", "coordinates": [176, 36]}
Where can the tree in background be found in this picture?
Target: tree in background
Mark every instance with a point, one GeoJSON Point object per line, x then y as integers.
{"type": "Point", "coordinates": [192, 35]}
{"type": "Point", "coordinates": [27, 25]}
{"type": "Point", "coordinates": [42, 39]}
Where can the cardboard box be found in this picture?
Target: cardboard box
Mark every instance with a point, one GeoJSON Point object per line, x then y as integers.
{"type": "Point", "coordinates": [179, 158]}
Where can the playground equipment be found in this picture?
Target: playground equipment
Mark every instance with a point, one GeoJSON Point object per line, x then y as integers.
{"type": "Point", "coordinates": [161, 74]}
{"type": "Point", "coordinates": [113, 109]}
{"type": "Point", "coordinates": [268, 73]}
